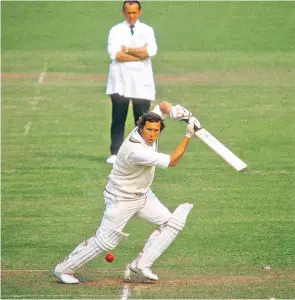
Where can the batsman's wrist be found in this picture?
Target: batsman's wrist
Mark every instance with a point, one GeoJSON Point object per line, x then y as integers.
{"type": "Point", "coordinates": [126, 50]}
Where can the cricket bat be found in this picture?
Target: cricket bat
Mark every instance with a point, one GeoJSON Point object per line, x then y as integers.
{"type": "Point", "coordinates": [220, 149]}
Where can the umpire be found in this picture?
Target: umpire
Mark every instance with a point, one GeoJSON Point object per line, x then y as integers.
{"type": "Point", "coordinates": [131, 44]}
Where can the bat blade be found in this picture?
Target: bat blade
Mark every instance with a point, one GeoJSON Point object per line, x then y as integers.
{"type": "Point", "coordinates": [220, 149]}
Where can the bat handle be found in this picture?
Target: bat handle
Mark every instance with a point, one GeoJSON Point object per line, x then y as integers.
{"type": "Point", "coordinates": [196, 128]}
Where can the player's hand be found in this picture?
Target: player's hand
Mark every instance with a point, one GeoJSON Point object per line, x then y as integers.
{"type": "Point", "coordinates": [178, 112]}
{"type": "Point", "coordinates": [193, 125]}
{"type": "Point", "coordinates": [190, 128]}
{"type": "Point", "coordinates": [197, 124]}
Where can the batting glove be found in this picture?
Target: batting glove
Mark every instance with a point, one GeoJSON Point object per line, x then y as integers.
{"type": "Point", "coordinates": [193, 125]}
{"type": "Point", "coordinates": [178, 112]}
{"type": "Point", "coordinates": [197, 124]}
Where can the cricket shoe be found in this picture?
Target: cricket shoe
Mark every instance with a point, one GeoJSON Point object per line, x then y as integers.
{"type": "Point", "coordinates": [111, 159]}
{"type": "Point", "coordinates": [65, 277]}
{"type": "Point", "coordinates": [144, 272]}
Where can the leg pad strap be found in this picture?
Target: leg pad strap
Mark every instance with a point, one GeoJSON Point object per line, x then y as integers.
{"type": "Point", "coordinates": [109, 239]}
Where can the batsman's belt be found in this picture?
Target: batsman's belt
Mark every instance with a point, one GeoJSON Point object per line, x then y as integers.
{"type": "Point", "coordinates": [139, 194]}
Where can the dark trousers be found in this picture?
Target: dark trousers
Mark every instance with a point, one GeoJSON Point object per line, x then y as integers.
{"type": "Point", "coordinates": [120, 106]}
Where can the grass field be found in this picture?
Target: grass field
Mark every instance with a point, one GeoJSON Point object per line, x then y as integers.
{"type": "Point", "coordinates": [233, 65]}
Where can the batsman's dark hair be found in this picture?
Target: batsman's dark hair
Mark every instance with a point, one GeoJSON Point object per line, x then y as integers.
{"type": "Point", "coordinates": [150, 117]}
{"type": "Point", "coordinates": [131, 2]}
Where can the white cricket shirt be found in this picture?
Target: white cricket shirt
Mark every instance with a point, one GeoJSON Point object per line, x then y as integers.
{"type": "Point", "coordinates": [134, 169]}
{"type": "Point", "coordinates": [131, 79]}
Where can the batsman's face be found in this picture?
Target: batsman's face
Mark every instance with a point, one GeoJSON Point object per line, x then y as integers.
{"type": "Point", "coordinates": [131, 13]}
{"type": "Point", "coordinates": [150, 132]}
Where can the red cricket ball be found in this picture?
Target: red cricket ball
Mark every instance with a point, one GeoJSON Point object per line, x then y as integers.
{"type": "Point", "coordinates": [110, 257]}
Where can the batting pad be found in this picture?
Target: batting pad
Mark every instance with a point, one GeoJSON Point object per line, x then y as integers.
{"type": "Point", "coordinates": [89, 249]}
{"type": "Point", "coordinates": [149, 242]}
{"type": "Point", "coordinates": [162, 241]}
{"type": "Point", "coordinates": [109, 239]}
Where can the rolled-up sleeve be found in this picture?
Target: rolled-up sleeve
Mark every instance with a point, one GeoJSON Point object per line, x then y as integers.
{"type": "Point", "coordinates": [152, 46]}
{"type": "Point", "coordinates": [150, 158]}
{"type": "Point", "coordinates": [113, 45]}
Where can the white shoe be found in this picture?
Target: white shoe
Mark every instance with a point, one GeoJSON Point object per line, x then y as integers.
{"type": "Point", "coordinates": [111, 159]}
{"type": "Point", "coordinates": [65, 277]}
{"type": "Point", "coordinates": [145, 272]}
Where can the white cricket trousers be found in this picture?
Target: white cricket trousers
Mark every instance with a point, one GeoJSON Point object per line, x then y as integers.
{"type": "Point", "coordinates": [116, 216]}
{"type": "Point", "coordinates": [118, 213]}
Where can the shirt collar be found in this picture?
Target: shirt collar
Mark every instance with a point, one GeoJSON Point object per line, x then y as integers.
{"type": "Point", "coordinates": [136, 23]}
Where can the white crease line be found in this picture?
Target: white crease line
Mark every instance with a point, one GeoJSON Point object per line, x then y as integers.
{"type": "Point", "coordinates": [37, 96]}
{"type": "Point", "coordinates": [27, 128]}
{"type": "Point", "coordinates": [34, 102]}
{"type": "Point", "coordinates": [34, 271]}
{"type": "Point", "coordinates": [43, 74]}
{"type": "Point", "coordinates": [66, 296]}
{"type": "Point", "coordinates": [126, 292]}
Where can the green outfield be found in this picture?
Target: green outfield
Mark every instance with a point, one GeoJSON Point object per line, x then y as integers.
{"type": "Point", "coordinates": [233, 65]}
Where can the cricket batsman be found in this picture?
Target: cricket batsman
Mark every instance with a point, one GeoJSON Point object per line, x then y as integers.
{"type": "Point", "coordinates": [128, 193]}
